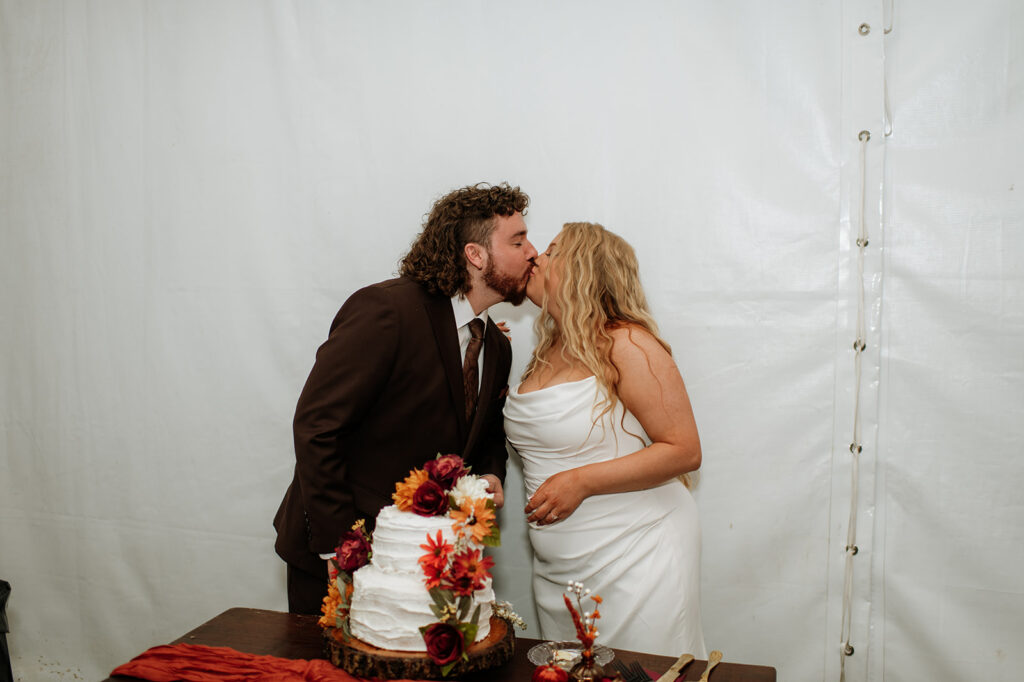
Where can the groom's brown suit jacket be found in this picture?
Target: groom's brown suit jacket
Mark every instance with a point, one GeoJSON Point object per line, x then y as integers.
{"type": "Point", "coordinates": [384, 396]}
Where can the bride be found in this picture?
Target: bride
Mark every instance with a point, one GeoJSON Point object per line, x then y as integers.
{"type": "Point", "coordinates": [606, 434]}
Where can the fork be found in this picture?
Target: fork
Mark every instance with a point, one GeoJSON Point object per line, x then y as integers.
{"type": "Point", "coordinates": [633, 672]}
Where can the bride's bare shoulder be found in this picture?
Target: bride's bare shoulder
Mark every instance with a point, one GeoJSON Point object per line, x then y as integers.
{"type": "Point", "coordinates": [631, 341]}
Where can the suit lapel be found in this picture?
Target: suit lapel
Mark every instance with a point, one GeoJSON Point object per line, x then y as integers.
{"type": "Point", "coordinates": [442, 320]}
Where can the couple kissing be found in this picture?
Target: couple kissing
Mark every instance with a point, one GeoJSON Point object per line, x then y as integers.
{"type": "Point", "coordinates": [414, 366]}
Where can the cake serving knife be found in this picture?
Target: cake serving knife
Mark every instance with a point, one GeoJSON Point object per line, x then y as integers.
{"type": "Point", "coordinates": [676, 668]}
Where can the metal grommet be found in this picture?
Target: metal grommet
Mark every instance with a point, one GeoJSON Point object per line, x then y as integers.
{"type": "Point", "coordinates": [859, 346]}
{"type": "Point", "coordinates": [864, 136]}
{"type": "Point", "coordinates": [855, 448]}
{"type": "Point", "coordinates": [848, 649]}
{"type": "Point", "coordinates": [862, 243]}
{"type": "Point", "coordinates": [863, 29]}
{"type": "Point", "coordinates": [854, 548]}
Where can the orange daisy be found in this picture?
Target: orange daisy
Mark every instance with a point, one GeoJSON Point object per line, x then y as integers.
{"type": "Point", "coordinates": [475, 518]}
{"type": "Point", "coordinates": [405, 490]}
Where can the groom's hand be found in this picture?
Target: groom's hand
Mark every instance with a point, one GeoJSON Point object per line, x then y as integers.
{"type": "Point", "coordinates": [494, 486]}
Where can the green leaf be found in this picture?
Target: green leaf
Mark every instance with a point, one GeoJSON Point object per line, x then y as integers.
{"type": "Point", "coordinates": [447, 667]}
{"type": "Point", "coordinates": [345, 600]}
{"type": "Point", "coordinates": [441, 597]}
{"type": "Point", "coordinates": [465, 602]}
{"type": "Point", "coordinates": [476, 616]}
{"type": "Point", "coordinates": [468, 631]}
{"type": "Point", "coordinates": [494, 539]}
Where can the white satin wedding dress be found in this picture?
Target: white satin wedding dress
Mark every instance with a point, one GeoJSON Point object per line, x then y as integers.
{"type": "Point", "coordinates": [639, 550]}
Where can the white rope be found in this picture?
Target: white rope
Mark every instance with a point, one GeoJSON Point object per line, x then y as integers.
{"type": "Point", "coordinates": [859, 345]}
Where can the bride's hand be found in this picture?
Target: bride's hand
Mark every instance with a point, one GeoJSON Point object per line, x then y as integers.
{"type": "Point", "coordinates": [555, 499]}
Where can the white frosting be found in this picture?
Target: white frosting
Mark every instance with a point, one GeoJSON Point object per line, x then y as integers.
{"type": "Point", "coordinates": [390, 601]}
{"type": "Point", "coordinates": [398, 535]}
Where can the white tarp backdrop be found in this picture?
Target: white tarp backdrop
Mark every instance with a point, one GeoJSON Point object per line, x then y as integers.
{"type": "Point", "coordinates": [189, 190]}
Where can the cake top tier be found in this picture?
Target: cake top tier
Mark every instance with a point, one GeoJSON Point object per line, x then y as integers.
{"type": "Point", "coordinates": [398, 535]}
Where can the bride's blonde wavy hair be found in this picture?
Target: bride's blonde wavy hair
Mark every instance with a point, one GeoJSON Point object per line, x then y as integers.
{"type": "Point", "coordinates": [599, 291]}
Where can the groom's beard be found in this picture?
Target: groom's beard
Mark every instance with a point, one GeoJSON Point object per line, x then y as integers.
{"type": "Point", "coordinates": [512, 289]}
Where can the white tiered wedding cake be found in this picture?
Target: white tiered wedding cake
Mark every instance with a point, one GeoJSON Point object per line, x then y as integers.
{"type": "Point", "coordinates": [390, 602]}
{"type": "Point", "coordinates": [417, 601]}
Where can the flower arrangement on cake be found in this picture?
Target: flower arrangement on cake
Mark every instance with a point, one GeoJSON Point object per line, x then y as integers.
{"type": "Point", "coordinates": [441, 595]}
{"type": "Point", "coordinates": [353, 552]}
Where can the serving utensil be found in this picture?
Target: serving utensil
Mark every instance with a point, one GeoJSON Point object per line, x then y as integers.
{"type": "Point", "coordinates": [714, 658]}
{"type": "Point", "coordinates": [672, 673]}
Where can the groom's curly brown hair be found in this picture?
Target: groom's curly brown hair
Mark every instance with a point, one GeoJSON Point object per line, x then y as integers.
{"type": "Point", "coordinates": [437, 258]}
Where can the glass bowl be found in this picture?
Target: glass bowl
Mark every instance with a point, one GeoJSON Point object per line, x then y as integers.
{"type": "Point", "coordinates": [566, 654]}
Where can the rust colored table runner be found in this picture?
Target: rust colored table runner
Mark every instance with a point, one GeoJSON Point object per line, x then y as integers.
{"type": "Point", "coordinates": [285, 635]}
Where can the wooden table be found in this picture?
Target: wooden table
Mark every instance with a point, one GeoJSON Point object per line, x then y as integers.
{"type": "Point", "coordinates": [286, 635]}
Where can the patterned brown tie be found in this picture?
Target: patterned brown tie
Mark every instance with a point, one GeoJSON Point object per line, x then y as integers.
{"type": "Point", "coordinates": [470, 367]}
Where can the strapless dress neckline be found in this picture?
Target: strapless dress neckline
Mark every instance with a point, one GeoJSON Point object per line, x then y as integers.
{"type": "Point", "coordinates": [552, 386]}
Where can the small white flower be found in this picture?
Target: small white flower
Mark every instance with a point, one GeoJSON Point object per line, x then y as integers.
{"type": "Point", "coordinates": [503, 609]}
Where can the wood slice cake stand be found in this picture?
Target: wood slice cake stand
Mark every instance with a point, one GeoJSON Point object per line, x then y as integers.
{"type": "Point", "coordinates": [358, 658]}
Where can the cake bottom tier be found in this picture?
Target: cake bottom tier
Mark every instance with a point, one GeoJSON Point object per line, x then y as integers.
{"type": "Point", "coordinates": [388, 609]}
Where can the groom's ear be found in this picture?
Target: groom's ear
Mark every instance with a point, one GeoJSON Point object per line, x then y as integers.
{"type": "Point", "coordinates": [476, 255]}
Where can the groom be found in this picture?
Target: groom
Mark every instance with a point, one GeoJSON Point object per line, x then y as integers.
{"type": "Point", "coordinates": [404, 376]}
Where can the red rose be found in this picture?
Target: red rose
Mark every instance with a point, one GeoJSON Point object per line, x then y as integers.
{"type": "Point", "coordinates": [445, 471]}
{"type": "Point", "coordinates": [429, 499]}
{"type": "Point", "coordinates": [444, 643]}
{"type": "Point", "coordinates": [353, 551]}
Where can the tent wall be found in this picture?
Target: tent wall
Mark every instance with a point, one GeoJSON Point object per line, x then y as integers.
{"type": "Point", "coordinates": [188, 191]}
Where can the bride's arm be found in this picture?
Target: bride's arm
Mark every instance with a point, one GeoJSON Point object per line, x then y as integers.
{"type": "Point", "coordinates": [650, 387]}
